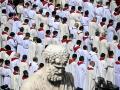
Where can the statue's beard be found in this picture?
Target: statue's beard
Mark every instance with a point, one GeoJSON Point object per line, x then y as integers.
{"type": "Point", "coordinates": [55, 75]}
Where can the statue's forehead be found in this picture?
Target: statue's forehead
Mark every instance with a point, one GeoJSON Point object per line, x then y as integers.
{"type": "Point", "coordinates": [55, 49]}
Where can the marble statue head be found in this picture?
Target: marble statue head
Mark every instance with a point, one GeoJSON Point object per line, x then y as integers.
{"type": "Point", "coordinates": [56, 57]}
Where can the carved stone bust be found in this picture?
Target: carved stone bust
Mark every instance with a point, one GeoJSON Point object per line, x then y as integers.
{"type": "Point", "coordinates": [52, 76]}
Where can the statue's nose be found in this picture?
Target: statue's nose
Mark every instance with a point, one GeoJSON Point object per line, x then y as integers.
{"type": "Point", "coordinates": [58, 61]}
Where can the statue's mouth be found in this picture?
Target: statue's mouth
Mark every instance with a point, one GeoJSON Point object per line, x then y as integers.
{"type": "Point", "coordinates": [59, 66]}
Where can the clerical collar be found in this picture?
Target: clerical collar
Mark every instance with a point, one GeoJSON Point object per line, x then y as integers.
{"type": "Point", "coordinates": [80, 62]}
{"type": "Point", "coordinates": [71, 60]}
{"type": "Point", "coordinates": [111, 57]}
{"type": "Point", "coordinates": [116, 13]}
{"type": "Point", "coordinates": [102, 58]}
{"type": "Point", "coordinates": [117, 62]}
{"type": "Point", "coordinates": [102, 23]}
{"type": "Point", "coordinates": [90, 67]}
{"type": "Point", "coordinates": [118, 46]}
{"type": "Point", "coordinates": [16, 73]}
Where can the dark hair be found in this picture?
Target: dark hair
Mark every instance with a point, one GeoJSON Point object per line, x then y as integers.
{"type": "Point", "coordinates": [85, 47]}
{"type": "Point", "coordinates": [103, 19]}
{"type": "Point", "coordinates": [16, 68]}
{"type": "Point", "coordinates": [7, 47]}
{"type": "Point", "coordinates": [12, 34]}
{"type": "Point", "coordinates": [39, 40]}
{"type": "Point", "coordinates": [115, 37]}
{"type": "Point", "coordinates": [78, 42]}
{"type": "Point", "coordinates": [25, 72]}
{"type": "Point", "coordinates": [79, 8]}
{"type": "Point", "coordinates": [110, 21]}
{"type": "Point", "coordinates": [81, 58]}
{"type": "Point", "coordinates": [27, 34]}
{"type": "Point", "coordinates": [47, 13]}
{"type": "Point", "coordinates": [94, 49]}
{"type": "Point", "coordinates": [10, 14]}
{"type": "Point", "coordinates": [48, 32]}
{"type": "Point", "coordinates": [41, 65]}
{"type": "Point", "coordinates": [21, 29]}
{"type": "Point", "coordinates": [74, 56]}
{"type": "Point", "coordinates": [55, 32]}
{"type": "Point", "coordinates": [119, 58]}
{"type": "Point", "coordinates": [26, 20]}
{"type": "Point", "coordinates": [57, 17]}
{"type": "Point", "coordinates": [66, 5]}
{"type": "Point", "coordinates": [86, 12]}
{"type": "Point", "coordinates": [4, 11]}
{"type": "Point", "coordinates": [110, 53]}
{"type": "Point", "coordinates": [41, 24]}
{"type": "Point", "coordinates": [41, 11]}
{"type": "Point", "coordinates": [35, 59]}
{"type": "Point", "coordinates": [81, 28]}
{"type": "Point", "coordinates": [53, 13]}
{"type": "Point", "coordinates": [1, 60]}
{"type": "Point", "coordinates": [86, 33]}
{"type": "Point", "coordinates": [64, 20]}
{"type": "Point", "coordinates": [7, 62]}
{"type": "Point", "coordinates": [24, 57]}
{"type": "Point", "coordinates": [65, 37]}
{"type": "Point", "coordinates": [102, 55]}
{"type": "Point", "coordinates": [73, 8]}
{"type": "Point", "coordinates": [97, 33]}
{"type": "Point", "coordinates": [6, 29]}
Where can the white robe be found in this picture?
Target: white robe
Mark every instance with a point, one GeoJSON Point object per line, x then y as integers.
{"type": "Point", "coordinates": [63, 30]}
{"type": "Point", "coordinates": [1, 77]}
{"type": "Point", "coordinates": [72, 19]}
{"type": "Point", "coordinates": [4, 39]}
{"type": "Point", "coordinates": [107, 13]}
{"type": "Point", "coordinates": [25, 44]}
{"type": "Point", "coordinates": [110, 33]}
{"type": "Point", "coordinates": [117, 74]}
{"type": "Point", "coordinates": [33, 33]}
{"type": "Point", "coordinates": [41, 34]}
{"type": "Point", "coordinates": [33, 68]}
{"type": "Point", "coordinates": [103, 46]}
{"type": "Point", "coordinates": [19, 39]}
{"type": "Point", "coordinates": [14, 62]}
{"type": "Point", "coordinates": [31, 51]}
{"type": "Point", "coordinates": [16, 25]}
{"type": "Point", "coordinates": [85, 22]}
{"type": "Point", "coordinates": [86, 55]}
{"type": "Point", "coordinates": [110, 70]}
{"type": "Point", "coordinates": [82, 75]}
{"type": "Point", "coordinates": [26, 28]}
{"type": "Point", "coordinates": [10, 24]}
{"type": "Point", "coordinates": [72, 68]}
{"type": "Point", "coordinates": [38, 20]}
{"type": "Point", "coordinates": [3, 20]}
{"type": "Point", "coordinates": [12, 43]}
{"type": "Point", "coordinates": [94, 57]}
{"type": "Point", "coordinates": [96, 43]}
{"type": "Point", "coordinates": [7, 73]}
{"type": "Point", "coordinates": [23, 66]}
{"type": "Point", "coordinates": [91, 76]}
{"type": "Point", "coordinates": [91, 8]}
{"type": "Point", "coordinates": [16, 82]}
{"type": "Point", "coordinates": [8, 56]}
{"type": "Point", "coordinates": [20, 9]}
{"type": "Point", "coordinates": [103, 68]}
{"type": "Point", "coordinates": [10, 9]}
{"type": "Point", "coordinates": [99, 13]}
{"type": "Point", "coordinates": [93, 27]}
{"type": "Point", "coordinates": [38, 53]}
{"type": "Point", "coordinates": [102, 28]}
